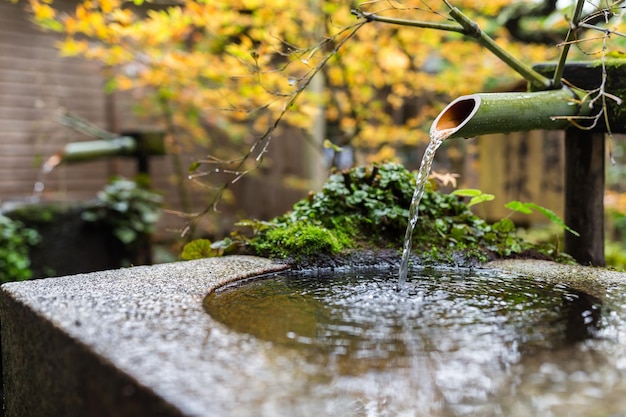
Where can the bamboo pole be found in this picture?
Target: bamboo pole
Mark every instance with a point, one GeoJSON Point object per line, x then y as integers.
{"type": "Point", "coordinates": [487, 113]}
{"type": "Point", "coordinates": [571, 34]}
{"type": "Point", "coordinates": [95, 149]}
{"type": "Point", "coordinates": [139, 144]}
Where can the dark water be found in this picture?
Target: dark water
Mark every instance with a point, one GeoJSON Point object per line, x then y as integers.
{"type": "Point", "coordinates": [450, 342]}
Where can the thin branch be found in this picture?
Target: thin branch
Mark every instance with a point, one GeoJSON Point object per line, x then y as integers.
{"type": "Point", "coordinates": [471, 29]}
{"type": "Point", "coordinates": [266, 137]}
{"type": "Point", "coordinates": [373, 17]}
{"type": "Point", "coordinates": [538, 81]}
{"type": "Point", "coordinates": [605, 30]}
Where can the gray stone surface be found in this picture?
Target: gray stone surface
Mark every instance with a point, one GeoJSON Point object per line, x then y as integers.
{"type": "Point", "coordinates": [129, 342]}
{"type": "Point", "coordinates": [137, 342]}
{"type": "Point", "coordinates": [591, 280]}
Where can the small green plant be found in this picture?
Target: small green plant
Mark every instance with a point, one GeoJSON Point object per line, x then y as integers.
{"type": "Point", "coordinates": [198, 249]}
{"type": "Point", "coordinates": [527, 208]}
{"type": "Point", "coordinates": [204, 248]}
{"type": "Point", "coordinates": [476, 196]}
{"type": "Point", "coordinates": [15, 240]}
{"type": "Point", "coordinates": [372, 200]}
{"type": "Point", "coordinates": [129, 208]}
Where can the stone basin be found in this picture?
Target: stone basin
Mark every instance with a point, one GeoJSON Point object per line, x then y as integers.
{"type": "Point", "coordinates": [137, 342]}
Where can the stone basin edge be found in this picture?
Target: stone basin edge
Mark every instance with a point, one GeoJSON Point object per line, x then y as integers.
{"type": "Point", "coordinates": [589, 279]}
{"type": "Point", "coordinates": [112, 342]}
{"type": "Point", "coordinates": [137, 341]}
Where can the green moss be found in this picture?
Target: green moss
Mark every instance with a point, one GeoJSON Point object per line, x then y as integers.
{"type": "Point", "coordinates": [615, 85]}
{"type": "Point", "coordinates": [368, 208]}
{"type": "Point", "coordinates": [301, 239]}
{"type": "Point", "coordinates": [619, 63]}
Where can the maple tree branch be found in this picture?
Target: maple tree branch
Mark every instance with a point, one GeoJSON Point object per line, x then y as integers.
{"type": "Point", "coordinates": [469, 28]}
{"type": "Point", "coordinates": [537, 80]}
{"type": "Point", "coordinates": [263, 141]}
{"type": "Point", "coordinates": [373, 17]}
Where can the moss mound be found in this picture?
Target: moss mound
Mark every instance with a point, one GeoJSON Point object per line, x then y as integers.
{"type": "Point", "coordinates": [365, 210]}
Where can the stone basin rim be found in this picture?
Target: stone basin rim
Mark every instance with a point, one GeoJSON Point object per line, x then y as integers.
{"type": "Point", "coordinates": [135, 322]}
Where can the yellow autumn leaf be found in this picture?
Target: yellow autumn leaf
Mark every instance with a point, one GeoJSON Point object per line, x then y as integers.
{"type": "Point", "coordinates": [123, 83]}
{"type": "Point", "coordinates": [384, 154]}
{"type": "Point", "coordinates": [42, 12]}
{"type": "Point", "coordinates": [392, 59]}
{"type": "Point", "coordinates": [107, 6]}
{"type": "Point", "coordinates": [72, 47]}
{"type": "Point", "coordinates": [122, 16]}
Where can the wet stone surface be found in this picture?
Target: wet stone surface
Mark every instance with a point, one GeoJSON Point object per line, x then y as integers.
{"type": "Point", "coordinates": [459, 349]}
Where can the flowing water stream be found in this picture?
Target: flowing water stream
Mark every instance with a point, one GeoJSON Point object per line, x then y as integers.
{"type": "Point", "coordinates": [436, 139]}
{"type": "Point", "coordinates": [47, 167]}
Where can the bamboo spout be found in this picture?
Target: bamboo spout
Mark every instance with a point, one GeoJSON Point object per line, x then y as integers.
{"type": "Point", "coordinates": [135, 145]}
{"type": "Point", "coordinates": [91, 150]}
{"type": "Point", "coordinates": [486, 113]}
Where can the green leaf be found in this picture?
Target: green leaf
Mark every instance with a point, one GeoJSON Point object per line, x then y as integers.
{"type": "Point", "coordinates": [527, 208]}
{"type": "Point", "coordinates": [90, 216]}
{"type": "Point", "coordinates": [329, 144]}
{"type": "Point", "coordinates": [553, 217]}
{"type": "Point", "coordinates": [52, 25]}
{"type": "Point", "coordinates": [194, 166]}
{"type": "Point", "coordinates": [504, 226]}
{"type": "Point", "coordinates": [197, 249]}
{"type": "Point", "coordinates": [125, 234]}
{"type": "Point", "coordinates": [467, 192]}
{"type": "Point", "coordinates": [480, 199]}
{"type": "Point", "coordinates": [518, 206]}
{"type": "Point", "coordinates": [222, 244]}
{"type": "Point", "coordinates": [477, 196]}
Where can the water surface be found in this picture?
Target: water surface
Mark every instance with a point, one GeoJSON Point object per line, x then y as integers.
{"type": "Point", "coordinates": [448, 343]}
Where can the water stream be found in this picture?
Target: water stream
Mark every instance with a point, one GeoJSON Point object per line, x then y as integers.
{"type": "Point", "coordinates": [436, 139]}
{"type": "Point", "coordinates": [47, 167]}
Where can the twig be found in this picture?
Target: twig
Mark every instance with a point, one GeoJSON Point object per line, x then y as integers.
{"type": "Point", "coordinates": [85, 127]}
{"type": "Point", "coordinates": [605, 30]}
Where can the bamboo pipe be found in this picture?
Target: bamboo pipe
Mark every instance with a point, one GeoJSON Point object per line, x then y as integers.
{"type": "Point", "coordinates": [487, 113]}
{"type": "Point", "coordinates": [88, 151]}
{"type": "Point", "coordinates": [136, 145]}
